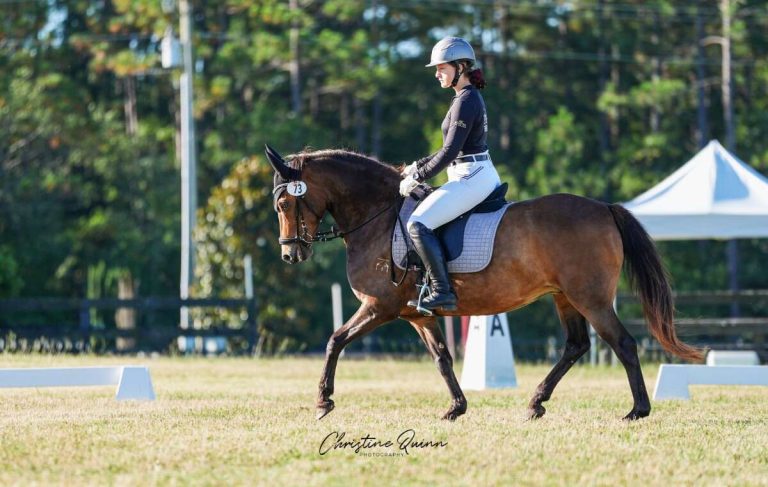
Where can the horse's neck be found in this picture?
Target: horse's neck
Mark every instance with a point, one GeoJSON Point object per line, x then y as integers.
{"type": "Point", "coordinates": [367, 220]}
{"type": "Point", "coordinates": [359, 199]}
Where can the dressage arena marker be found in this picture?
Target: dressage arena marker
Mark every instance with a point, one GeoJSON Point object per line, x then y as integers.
{"type": "Point", "coordinates": [674, 379]}
{"type": "Point", "coordinates": [488, 360]}
{"type": "Point", "coordinates": [732, 357]}
{"type": "Point", "coordinates": [132, 382]}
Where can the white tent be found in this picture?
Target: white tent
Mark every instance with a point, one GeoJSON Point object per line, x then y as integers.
{"type": "Point", "coordinates": [714, 195]}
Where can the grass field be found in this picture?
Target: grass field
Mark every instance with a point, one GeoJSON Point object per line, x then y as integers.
{"type": "Point", "coordinates": [251, 422]}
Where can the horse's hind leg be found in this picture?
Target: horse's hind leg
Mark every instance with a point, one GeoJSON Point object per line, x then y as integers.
{"type": "Point", "coordinates": [576, 344]}
{"type": "Point", "coordinates": [429, 331]}
{"type": "Point", "coordinates": [610, 329]}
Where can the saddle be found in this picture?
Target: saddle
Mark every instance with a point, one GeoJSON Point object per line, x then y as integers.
{"type": "Point", "coordinates": [467, 240]}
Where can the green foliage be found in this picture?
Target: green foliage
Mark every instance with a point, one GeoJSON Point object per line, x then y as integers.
{"type": "Point", "coordinates": [10, 281]}
{"type": "Point", "coordinates": [598, 99]}
{"type": "Point", "coordinates": [559, 151]}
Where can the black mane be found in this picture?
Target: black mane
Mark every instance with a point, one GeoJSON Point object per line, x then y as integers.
{"type": "Point", "coordinates": [361, 160]}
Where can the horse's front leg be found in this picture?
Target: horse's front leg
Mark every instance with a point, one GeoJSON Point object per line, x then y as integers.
{"type": "Point", "coordinates": [365, 320]}
{"type": "Point", "coordinates": [429, 331]}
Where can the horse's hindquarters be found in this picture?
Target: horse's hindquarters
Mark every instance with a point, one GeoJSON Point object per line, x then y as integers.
{"type": "Point", "coordinates": [558, 243]}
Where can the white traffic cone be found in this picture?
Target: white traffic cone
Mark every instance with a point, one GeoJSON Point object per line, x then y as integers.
{"type": "Point", "coordinates": [488, 358]}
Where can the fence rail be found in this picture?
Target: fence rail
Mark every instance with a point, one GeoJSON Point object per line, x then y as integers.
{"type": "Point", "coordinates": [726, 332]}
{"type": "Point", "coordinates": [706, 297]}
{"type": "Point", "coordinates": [81, 328]}
{"type": "Point", "coordinates": [73, 320]}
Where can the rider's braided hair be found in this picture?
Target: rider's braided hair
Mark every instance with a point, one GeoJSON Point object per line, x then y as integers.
{"type": "Point", "coordinates": [475, 74]}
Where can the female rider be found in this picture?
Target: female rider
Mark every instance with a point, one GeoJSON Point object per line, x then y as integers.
{"type": "Point", "coordinates": [471, 175]}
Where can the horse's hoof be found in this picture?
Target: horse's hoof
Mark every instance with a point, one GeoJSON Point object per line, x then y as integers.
{"type": "Point", "coordinates": [635, 414]}
{"type": "Point", "coordinates": [455, 412]}
{"type": "Point", "coordinates": [324, 409]}
{"type": "Point", "coordinates": [535, 412]}
{"type": "Point", "coordinates": [452, 415]}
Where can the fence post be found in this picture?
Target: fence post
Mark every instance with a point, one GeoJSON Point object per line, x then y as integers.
{"type": "Point", "coordinates": [85, 321]}
{"type": "Point", "coordinates": [251, 302]}
{"type": "Point", "coordinates": [252, 326]}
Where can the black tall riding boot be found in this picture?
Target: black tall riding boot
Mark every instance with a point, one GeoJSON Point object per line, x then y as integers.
{"type": "Point", "coordinates": [431, 252]}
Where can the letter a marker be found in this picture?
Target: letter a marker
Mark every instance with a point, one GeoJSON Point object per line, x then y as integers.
{"type": "Point", "coordinates": [488, 359]}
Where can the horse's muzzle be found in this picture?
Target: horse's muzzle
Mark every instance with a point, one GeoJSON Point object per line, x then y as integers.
{"type": "Point", "coordinates": [295, 253]}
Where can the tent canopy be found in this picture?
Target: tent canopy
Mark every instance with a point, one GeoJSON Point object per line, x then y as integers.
{"type": "Point", "coordinates": [714, 195]}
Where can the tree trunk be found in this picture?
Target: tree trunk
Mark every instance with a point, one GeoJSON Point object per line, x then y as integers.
{"type": "Point", "coordinates": [376, 126]}
{"type": "Point", "coordinates": [295, 65]}
{"type": "Point", "coordinates": [376, 108]}
{"type": "Point", "coordinates": [359, 124]}
{"type": "Point", "coordinates": [129, 106]}
{"type": "Point", "coordinates": [344, 112]}
{"type": "Point", "coordinates": [505, 123]}
{"type": "Point", "coordinates": [732, 248]}
{"type": "Point", "coordinates": [616, 81]}
{"type": "Point", "coordinates": [604, 134]}
{"type": "Point", "coordinates": [314, 97]}
{"type": "Point", "coordinates": [655, 115]}
{"type": "Point", "coordinates": [248, 97]}
{"type": "Point", "coordinates": [702, 131]}
{"type": "Point", "coordinates": [175, 108]}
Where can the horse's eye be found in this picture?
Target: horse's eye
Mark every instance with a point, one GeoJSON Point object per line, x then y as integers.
{"type": "Point", "coordinates": [283, 205]}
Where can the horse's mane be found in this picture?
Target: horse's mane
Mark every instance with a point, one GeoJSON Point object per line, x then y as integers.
{"type": "Point", "coordinates": [361, 160]}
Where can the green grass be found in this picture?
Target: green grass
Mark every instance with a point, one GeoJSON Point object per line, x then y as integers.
{"type": "Point", "coordinates": [246, 422]}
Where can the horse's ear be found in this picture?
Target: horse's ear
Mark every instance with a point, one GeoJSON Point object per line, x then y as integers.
{"type": "Point", "coordinates": [279, 165]}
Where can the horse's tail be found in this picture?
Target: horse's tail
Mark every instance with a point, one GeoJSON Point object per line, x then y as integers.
{"type": "Point", "coordinates": [649, 278]}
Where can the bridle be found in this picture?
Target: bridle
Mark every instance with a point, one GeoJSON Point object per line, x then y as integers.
{"type": "Point", "coordinates": [302, 236]}
{"type": "Point", "coordinates": [307, 239]}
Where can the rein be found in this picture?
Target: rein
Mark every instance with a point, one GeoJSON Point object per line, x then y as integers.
{"type": "Point", "coordinates": [334, 232]}
{"type": "Point", "coordinates": [306, 239]}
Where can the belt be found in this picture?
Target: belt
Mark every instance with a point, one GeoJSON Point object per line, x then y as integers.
{"type": "Point", "coordinates": [472, 157]}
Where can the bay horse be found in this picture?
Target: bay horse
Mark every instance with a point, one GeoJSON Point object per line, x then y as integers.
{"type": "Point", "coordinates": [565, 245]}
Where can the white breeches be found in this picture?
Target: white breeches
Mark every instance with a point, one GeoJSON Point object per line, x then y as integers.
{"type": "Point", "coordinates": [469, 183]}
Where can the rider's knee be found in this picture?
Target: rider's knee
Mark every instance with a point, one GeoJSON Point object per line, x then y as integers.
{"type": "Point", "coordinates": [415, 226]}
{"type": "Point", "coordinates": [411, 224]}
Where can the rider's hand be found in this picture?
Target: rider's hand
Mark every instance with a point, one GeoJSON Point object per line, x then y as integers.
{"type": "Point", "coordinates": [410, 169]}
{"type": "Point", "coordinates": [407, 185]}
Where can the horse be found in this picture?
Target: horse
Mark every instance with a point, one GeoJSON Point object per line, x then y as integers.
{"type": "Point", "coordinates": [565, 245]}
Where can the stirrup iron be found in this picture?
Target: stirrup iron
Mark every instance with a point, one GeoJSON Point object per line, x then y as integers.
{"type": "Point", "coordinates": [424, 292]}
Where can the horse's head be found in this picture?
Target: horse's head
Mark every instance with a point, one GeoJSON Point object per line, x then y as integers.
{"type": "Point", "coordinates": [300, 205]}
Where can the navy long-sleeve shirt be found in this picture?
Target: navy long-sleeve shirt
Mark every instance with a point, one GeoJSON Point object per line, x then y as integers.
{"type": "Point", "coordinates": [465, 131]}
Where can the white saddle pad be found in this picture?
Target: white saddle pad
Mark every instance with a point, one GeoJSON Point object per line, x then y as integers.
{"type": "Point", "coordinates": [479, 235]}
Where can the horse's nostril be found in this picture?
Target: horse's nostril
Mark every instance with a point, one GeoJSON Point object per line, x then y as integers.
{"type": "Point", "coordinates": [287, 258]}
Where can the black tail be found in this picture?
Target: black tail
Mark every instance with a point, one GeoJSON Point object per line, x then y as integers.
{"type": "Point", "coordinates": [649, 278]}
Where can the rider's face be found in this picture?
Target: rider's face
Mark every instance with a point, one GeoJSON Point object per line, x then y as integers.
{"type": "Point", "coordinates": [444, 73]}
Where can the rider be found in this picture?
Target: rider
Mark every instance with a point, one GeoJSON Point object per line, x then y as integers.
{"type": "Point", "coordinates": [471, 175]}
